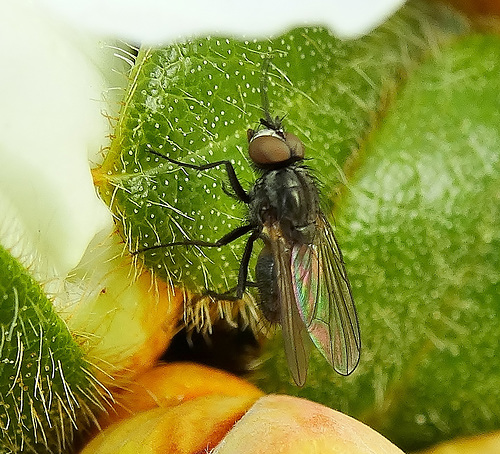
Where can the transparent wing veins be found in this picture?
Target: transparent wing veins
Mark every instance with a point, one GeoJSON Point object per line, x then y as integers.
{"type": "Point", "coordinates": [295, 336]}
{"type": "Point", "coordinates": [324, 299]}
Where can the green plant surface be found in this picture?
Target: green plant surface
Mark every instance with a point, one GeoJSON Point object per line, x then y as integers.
{"type": "Point", "coordinates": [402, 130]}
{"type": "Point", "coordinates": [46, 390]}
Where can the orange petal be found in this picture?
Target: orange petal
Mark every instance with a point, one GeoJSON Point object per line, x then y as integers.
{"type": "Point", "coordinates": [188, 428]}
{"type": "Point", "coordinates": [170, 384]}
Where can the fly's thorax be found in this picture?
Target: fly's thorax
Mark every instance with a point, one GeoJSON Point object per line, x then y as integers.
{"type": "Point", "coordinates": [289, 197]}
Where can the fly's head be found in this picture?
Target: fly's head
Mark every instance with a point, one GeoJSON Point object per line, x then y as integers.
{"type": "Point", "coordinates": [271, 146]}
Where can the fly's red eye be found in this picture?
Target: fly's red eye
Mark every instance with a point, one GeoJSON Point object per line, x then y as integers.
{"type": "Point", "coordinates": [266, 150]}
{"type": "Point", "coordinates": [268, 147]}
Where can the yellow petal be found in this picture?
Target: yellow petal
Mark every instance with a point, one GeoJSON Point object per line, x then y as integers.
{"type": "Point", "coordinates": [127, 316]}
{"type": "Point", "coordinates": [290, 425]}
{"type": "Point", "coordinates": [484, 444]}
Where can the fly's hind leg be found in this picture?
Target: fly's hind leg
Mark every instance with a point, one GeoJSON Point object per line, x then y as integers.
{"type": "Point", "coordinates": [237, 292]}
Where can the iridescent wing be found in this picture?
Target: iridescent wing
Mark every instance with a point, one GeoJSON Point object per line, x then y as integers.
{"type": "Point", "coordinates": [295, 337]}
{"type": "Point", "coordinates": [324, 298]}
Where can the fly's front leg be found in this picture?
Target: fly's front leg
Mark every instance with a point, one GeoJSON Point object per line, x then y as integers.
{"type": "Point", "coordinates": [239, 192]}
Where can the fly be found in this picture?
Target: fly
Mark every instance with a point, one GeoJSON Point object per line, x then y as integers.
{"type": "Point", "coordinates": [300, 273]}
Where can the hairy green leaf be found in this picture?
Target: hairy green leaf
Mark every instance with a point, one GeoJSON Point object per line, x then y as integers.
{"type": "Point", "coordinates": [46, 390]}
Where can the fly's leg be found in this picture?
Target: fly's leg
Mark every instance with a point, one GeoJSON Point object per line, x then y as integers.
{"type": "Point", "coordinates": [231, 294]}
{"type": "Point", "coordinates": [239, 192]}
{"type": "Point", "coordinates": [226, 239]}
{"type": "Point", "coordinates": [236, 293]}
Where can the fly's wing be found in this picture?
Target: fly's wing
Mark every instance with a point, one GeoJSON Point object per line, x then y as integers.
{"type": "Point", "coordinates": [324, 298]}
{"type": "Point", "coordinates": [295, 336]}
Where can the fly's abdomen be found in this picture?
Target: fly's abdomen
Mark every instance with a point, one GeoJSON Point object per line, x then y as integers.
{"type": "Point", "coordinates": [265, 275]}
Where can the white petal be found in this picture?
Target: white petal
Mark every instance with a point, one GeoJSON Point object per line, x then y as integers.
{"type": "Point", "coordinates": [51, 121]}
{"type": "Point", "coordinates": [160, 21]}
{"type": "Point", "coordinates": [354, 18]}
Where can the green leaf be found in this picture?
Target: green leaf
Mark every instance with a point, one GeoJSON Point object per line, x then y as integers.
{"type": "Point", "coordinates": [46, 390]}
{"type": "Point", "coordinates": [195, 101]}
